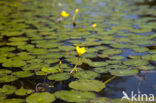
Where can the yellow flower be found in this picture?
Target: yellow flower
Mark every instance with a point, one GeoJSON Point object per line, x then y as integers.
{"type": "Point", "coordinates": [64, 14]}
{"type": "Point", "coordinates": [76, 11]}
{"type": "Point", "coordinates": [80, 51]}
{"type": "Point", "coordinates": [94, 25]}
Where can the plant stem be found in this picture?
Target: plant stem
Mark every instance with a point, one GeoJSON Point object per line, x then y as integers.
{"type": "Point", "coordinates": [109, 80]}
{"type": "Point", "coordinates": [75, 67]}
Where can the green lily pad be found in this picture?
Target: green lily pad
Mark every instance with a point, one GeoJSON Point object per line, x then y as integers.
{"type": "Point", "coordinates": [22, 92]}
{"type": "Point", "coordinates": [22, 74]}
{"type": "Point", "coordinates": [87, 85]}
{"type": "Point", "coordinates": [49, 70]}
{"type": "Point", "coordinates": [7, 90]}
{"type": "Point", "coordinates": [136, 62]}
{"type": "Point", "coordinates": [101, 69]}
{"type": "Point", "coordinates": [124, 72]}
{"type": "Point", "coordinates": [85, 75]}
{"type": "Point", "coordinates": [13, 100]}
{"type": "Point", "coordinates": [146, 67]}
{"type": "Point", "coordinates": [59, 76]}
{"type": "Point", "coordinates": [98, 64]}
{"type": "Point", "coordinates": [74, 96]}
{"type": "Point", "coordinates": [79, 61]}
{"type": "Point", "coordinates": [40, 73]}
{"type": "Point", "coordinates": [8, 78]}
{"type": "Point", "coordinates": [43, 97]}
{"type": "Point", "coordinates": [111, 51]}
{"type": "Point", "coordinates": [19, 39]}
{"type": "Point", "coordinates": [38, 51]}
{"type": "Point", "coordinates": [140, 49]}
{"type": "Point", "coordinates": [117, 57]}
{"type": "Point", "coordinates": [14, 63]}
{"type": "Point", "coordinates": [101, 100]}
{"type": "Point", "coordinates": [4, 72]}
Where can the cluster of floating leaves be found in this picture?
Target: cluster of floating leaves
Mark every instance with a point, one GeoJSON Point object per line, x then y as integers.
{"type": "Point", "coordinates": [33, 42]}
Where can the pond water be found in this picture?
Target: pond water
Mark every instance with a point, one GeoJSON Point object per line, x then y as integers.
{"type": "Point", "coordinates": [38, 50]}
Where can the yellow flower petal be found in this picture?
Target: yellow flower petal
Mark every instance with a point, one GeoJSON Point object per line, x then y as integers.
{"type": "Point", "coordinates": [80, 51]}
{"type": "Point", "coordinates": [76, 11]}
{"type": "Point", "coordinates": [64, 14]}
{"type": "Point", "coordinates": [94, 25]}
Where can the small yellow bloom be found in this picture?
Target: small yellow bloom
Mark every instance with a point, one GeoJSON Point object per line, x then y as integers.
{"type": "Point", "coordinates": [64, 14]}
{"type": "Point", "coordinates": [80, 51]}
{"type": "Point", "coordinates": [94, 25]}
{"type": "Point", "coordinates": [60, 63]}
{"type": "Point", "coordinates": [76, 11]}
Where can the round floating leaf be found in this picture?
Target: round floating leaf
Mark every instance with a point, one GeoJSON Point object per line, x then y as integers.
{"type": "Point", "coordinates": [140, 49]}
{"type": "Point", "coordinates": [38, 51]}
{"type": "Point", "coordinates": [7, 49]}
{"type": "Point", "coordinates": [111, 51]}
{"type": "Point", "coordinates": [101, 70]}
{"type": "Point", "coordinates": [14, 63]}
{"type": "Point", "coordinates": [22, 74]}
{"type": "Point", "coordinates": [146, 67]}
{"type": "Point", "coordinates": [116, 66]}
{"type": "Point", "coordinates": [49, 70]}
{"type": "Point", "coordinates": [59, 76]}
{"type": "Point", "coordinates": [136, 62]}
{"type": "Point", "coordinates": [13, 100]}
{"type": "Point", "coordinates": [79, 61]}
{"type": "Point", "coordinates": [7, 90]}
{"type": "Point", "coordinates": [22, 92]}
{"type": "Point", "coordinates": [43, 97]}
{"type": "Point", "coordinates": [75, 96]}
{"type": "Point", "coordinates": [101, 100]}
{"type": "Point", "coordinates": [16, 43]}
{"type": "Point", "coordinates": [124, 72]}
{"type": "Point", "coordinates": [85, 75]}
{"type": "Point", "coordinates": [41, 73]}
{"type": "Point", "coordinates": [98, 64]}
{"type": "Point", "coordinates": [19, 39]}
{"type": "Point", "coordinates": [87, 85]}
{"type": "Point", "coordinates": [2, 98]}
{"type": "Point", "coordinates": [7, 78]}
{"type": "Point", "coordinates": [4, 72]}
{"type": "Point", "coordinates": [117, 57]}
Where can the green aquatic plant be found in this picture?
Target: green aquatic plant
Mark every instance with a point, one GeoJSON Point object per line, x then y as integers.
{"type": "Point", "coordinates": [89, 85]}
{"type": "Point", "coordinates": [43, 97]}
{"type": "Point", "coordinates": [74, 96]}
{"type": "Point", "coordinates": [74, 16]}
{"type": "Point", "coordinates": [49, 70]}
{"type": "Point", "coordinates": [80, 51]}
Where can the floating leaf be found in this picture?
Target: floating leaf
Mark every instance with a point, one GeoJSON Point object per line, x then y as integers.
{"type": "Point", "coordinates": [7, 90]}
{"type": "Point", "coordinates": [101, 69]}
{"type": "Point", "coordinates": [43, 97]}
{"type": "Point", "coordinates": [22, 92]}
{"type": "Point", "coordinates": [135, 62]}
{"type": "Point", "coordinates": [8, 78]}
{"type": "Point", "coordinates": [87, 85]}
{"type": "Point", "coordinates": [85, 75]}
{"type": "Point", "coordinates": [59, 76]}
{"type": "Point", "coordinates": [75, 96]}
{"type": "Point", "coordinates": [101, 100]}
{"type": "Point", "coordinates": [140, 49]}
{"type": "Point", "coordinates": [4, 72]}
{"type": "Point", "coordinates": [111, 51]}
{"type": "Point", "coordinates": [124, 72]}
{"type": "Point", "coordinates": [14, 63]}
{"type": "Point", "coordinates": [49, 70]}
{"type": "Point", "coordinates": [22, 74]}
{"type": "Point", "coordinates": [13, 100]}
